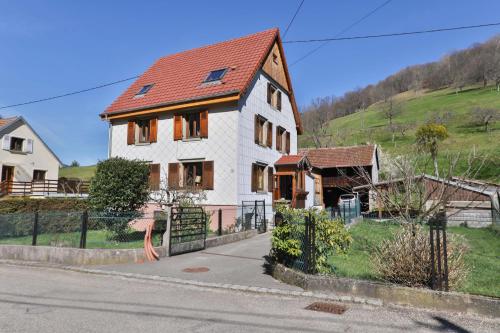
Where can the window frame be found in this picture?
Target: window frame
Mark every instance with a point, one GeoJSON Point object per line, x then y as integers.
{"type": "Point", "coordinates": [260, 168]}
{"type": "Point", "coordinates": [144, 90]}
{"type": "Point", "coordinates": [198, 166]}
{"type": "Point", "coordinates": [139, 139]}
{"type": "Point", "coordinates": [274, 96]}
{"type": "Point", "coordinates": [186, 126]}
{"type": "Point", "coordinates": [14, 139]}
{"type": "Point", "coordinates": [36, 171]}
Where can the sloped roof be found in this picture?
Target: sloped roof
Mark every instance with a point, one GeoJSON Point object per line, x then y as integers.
{"type": "Point", "coordinates": [289, 160]}
{"type": "Point", "coordinates": [178, 78]}
{"type": "Point", "coordinates": [339, 157]}
{"type": "Point", "coordinates": [7, 121]}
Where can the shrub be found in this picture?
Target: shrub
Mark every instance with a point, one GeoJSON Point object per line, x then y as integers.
{"type": "Point", "coordinates": [29, 205]}
{"type": "Point", "coordinates": [119, 187]}
{"type": "Point", "coordinates": [287, 239]}
{"type": "Point", "coordinates": [406, 258]}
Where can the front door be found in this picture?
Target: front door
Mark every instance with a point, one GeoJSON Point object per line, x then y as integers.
{"type": "Point", "coordinates": [8, 175]}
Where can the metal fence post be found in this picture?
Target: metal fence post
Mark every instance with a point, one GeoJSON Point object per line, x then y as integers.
{"type": "Point", "coordinates": [312, 237]}
{"type": "Point", "coordinates": [306, 244]}
{"type": "Point", "coordinates": [83, 235]}
{"type": "Point", "coordinates": [35, 229]}
{"type": "Point", "coordinates": [264, 212]}
{"type": "Point", "coordinates": [255, 214]}
{"type": "Point", "coordinates": [219, 232]}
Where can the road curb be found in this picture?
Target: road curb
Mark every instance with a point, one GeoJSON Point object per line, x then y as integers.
{"type": "Point", "coordinates": [195, 283]}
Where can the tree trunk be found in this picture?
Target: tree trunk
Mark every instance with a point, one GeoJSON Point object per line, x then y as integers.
{"type": "Point", "coordinates": [436, 169]}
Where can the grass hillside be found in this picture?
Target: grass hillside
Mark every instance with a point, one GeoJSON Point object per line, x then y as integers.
{"type": "Point", "coordinates": [416, 109]}
{"type": "Point", "coordinates": [81, 172]}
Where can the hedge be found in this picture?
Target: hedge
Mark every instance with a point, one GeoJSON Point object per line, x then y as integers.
{"type": "Point", "coordinates": [27, 205]}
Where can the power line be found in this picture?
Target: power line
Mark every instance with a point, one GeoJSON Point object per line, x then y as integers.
{"type": "Point", "coordinates": [349, 27]}
{"type": "Point", "coordinates": [394, 34]}
{"type": "Point", "coordinates": [293, 18]}
{"type": "Point", "coordinates": [70, 93]}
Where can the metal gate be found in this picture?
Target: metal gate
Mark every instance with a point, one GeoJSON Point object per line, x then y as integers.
{"type": "Point", "coordinates": [188, 230]}
{"type": "Point", "coordinates": [254, 215]}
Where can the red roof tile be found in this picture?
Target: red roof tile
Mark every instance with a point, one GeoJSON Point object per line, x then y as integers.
{"type": "Point", "coordinates": [6, 121]}
{"type": "Point", "coordinates": [289, 160]}
{"type": "Point", "coordinates": [339, 157]}
{"type": "Point", "coordinates": [179, 77]}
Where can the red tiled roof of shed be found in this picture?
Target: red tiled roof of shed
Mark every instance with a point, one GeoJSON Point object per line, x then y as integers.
{"type": "Point", "coordinates": [289, 160]}
{"type": "Point", "coordinates": [339, 157]}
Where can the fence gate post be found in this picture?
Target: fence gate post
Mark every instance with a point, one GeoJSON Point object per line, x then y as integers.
{"type": "Point", "coordinates": [83, 235]}
{"type": "Point", "coordinates": [439, 255]}
{"type": "Point", "coordinates": [35, 229]}
{"type": "Point", "coordinates": [255, 214]}
{"type": "Point", "coordinates": [219, 232]}
{"type": "Point", "coordinates": [264, 212]}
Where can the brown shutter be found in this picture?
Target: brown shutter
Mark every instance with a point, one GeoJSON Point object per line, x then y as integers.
{"type": "Point", "coordinates": [269, 134]}
{"type": "Point", "coordinates": [278, 102]}
{"type": "Point", "coordinates": [269, 93]}
{"type": "Point", "coordinates": [173, 175]}
{"type": "Point", "coordinates": [288, 142]}
{"type": "Point", "coordinates": [270, 179]}
{"type": "Point", "coordinates": [256, 130]}
{"type": "Point", "coordinates": [204, 124]}
{"type": "Point", "coordinates": [153, 129]}
{"type": "Point", "coordinates": [131, 133]}
{"type": "Point", "coordinates": [154, 177]}
{"type": "Point", "coordinates": [177, 127]}
{"type": "Point", "coordinates": [254, 178]}
{"type": "Point", "coordinates": [278, 138]}
{"type": "Point", "coordinates": [208, 175]}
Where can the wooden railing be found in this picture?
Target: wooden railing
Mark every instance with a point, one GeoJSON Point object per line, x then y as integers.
{"type": "Point", "coordinates": [44, 187]}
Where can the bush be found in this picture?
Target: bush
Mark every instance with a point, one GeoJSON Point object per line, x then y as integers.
{"type": "Point", "coordinates": [119, 187]}
{"type": "Point", "coordinates": [331, 237]}
{"type": "Point", "coordinates": [28, 205]}
{"type": "Point", "coordinates": [406, 259]}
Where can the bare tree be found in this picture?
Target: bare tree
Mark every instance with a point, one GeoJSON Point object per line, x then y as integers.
{"type": "Point", "coordinates": [168, 196]}
{"type": "Point", "coordinates": [485, 117]}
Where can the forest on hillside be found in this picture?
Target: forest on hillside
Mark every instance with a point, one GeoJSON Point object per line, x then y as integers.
{"type": "Point", "coordinates": [478, 64]}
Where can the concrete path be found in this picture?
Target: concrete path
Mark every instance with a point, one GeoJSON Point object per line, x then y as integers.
{"type": "Point", "coordinates": [240, 263]}
{"type": "Point", "coordinates": [38, 299]}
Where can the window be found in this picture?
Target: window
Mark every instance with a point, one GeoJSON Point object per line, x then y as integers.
{"type": "Point", "coordinates": [275, 58]}
{"type": "Point", "coordinates": [263, 131]}
{"type": "Point", "coordinates": [154, 177]}
{"type": "Point", "coordinates": [143, 130]}
{"type": "Point", "coordinates": [39, 175]}
{"type": "Point", "coordinates": [144, 90]}
{"type": "Point", "coordinates": [16, 144]}
{"type": "Point", "coordinates": [189, 175]}
{"type": "Point", "coordinates": [273, 96]}
{"type": "Point", "coordinates": [280, 137]}
{"type": "Point", "coordinates": [216, 75]}
{"type": "Point", "coordinates": [192, 125]}
{"type": "Point", "coordinates": [258, 176]}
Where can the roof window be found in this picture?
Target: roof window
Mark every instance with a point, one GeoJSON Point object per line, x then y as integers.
{"type": "Point", "coordinates": [144, 90]}
{"type": "Point", "coordinates": [216, 75]}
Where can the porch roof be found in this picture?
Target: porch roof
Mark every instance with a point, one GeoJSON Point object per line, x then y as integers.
{"type": "Point", "coordinates": [289, 160]}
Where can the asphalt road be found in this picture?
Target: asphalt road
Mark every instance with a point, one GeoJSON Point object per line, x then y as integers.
{"type": "Point", "coordinates": [50, 300]}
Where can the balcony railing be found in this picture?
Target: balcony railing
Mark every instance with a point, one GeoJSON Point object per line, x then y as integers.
{"type": "Point", "coordinates": [45, 188]}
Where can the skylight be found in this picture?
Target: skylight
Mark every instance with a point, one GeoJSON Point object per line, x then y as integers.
{"type": "Point", "coordinates": [144, 89]}
{"type": "Point", "coordinates": [216, 75]}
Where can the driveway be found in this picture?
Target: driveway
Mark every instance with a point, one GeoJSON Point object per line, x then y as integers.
{"type": "Point", "coordinates": [240, 263]}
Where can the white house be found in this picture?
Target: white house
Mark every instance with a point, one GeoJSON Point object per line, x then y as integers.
{"type": "Point", "coordinates": [217, 117]}
{"type": "Point", "coordinates": [24, 156]}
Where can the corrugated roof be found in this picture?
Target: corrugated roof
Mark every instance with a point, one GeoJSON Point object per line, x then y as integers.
{"type": "Point", "coordinates": [339, 157]}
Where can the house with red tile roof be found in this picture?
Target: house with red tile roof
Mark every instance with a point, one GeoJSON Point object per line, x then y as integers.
{"type": "Point", "coordinates": [216, 118]}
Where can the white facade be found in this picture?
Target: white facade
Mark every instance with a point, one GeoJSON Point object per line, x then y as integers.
{"type": "Point", "coordinates": [230, 144]}
{"type": "Point", "coordinates": [34, 155]}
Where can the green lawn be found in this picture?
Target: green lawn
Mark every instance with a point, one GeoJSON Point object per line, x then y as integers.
{"type": "Point", "coordinates": [371, 126]}
{"type": "Point", "coordinates": [96, 239]}
{"type": "Point", "coordinates": [82, 172]}
{"type": "Point", "coordinates": [483, 257]}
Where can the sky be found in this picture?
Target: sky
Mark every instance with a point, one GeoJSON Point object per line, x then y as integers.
{"type": "Point", "coordinates": [49, 48]}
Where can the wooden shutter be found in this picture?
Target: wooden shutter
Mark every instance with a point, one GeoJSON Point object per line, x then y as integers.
{"type": "Point", "coordinates": [288, 142]}
{"type": "Point", "coordinates": [254, 178]}
{"type": "Point", "coordinates": [208, 175]}
{"type": "Point", "coordinates": [278, 100]}
{"type": "Point", "coordinates": [153, 129]}
{"type": "Point", "coordinates": [177, 127]}
{"type": "Point", "coordinates": [256, 129]}
{"type": "Point", "coordinates": [270, 179]}
{"type": "Point", "coordinates": [279, 138]}
{"type": "Point", "coordinates": [131, 133]}
{"type": "Point", "coordinates": [154, 177]}
{"type": "Point", "coordinates": [204, 124]}
{"type": "Point", "coordinates": [173, 175]}
{"type": "Point", "coordinates": [269, 134]}
{"type": "Point", "coordinates": [269, 93]}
